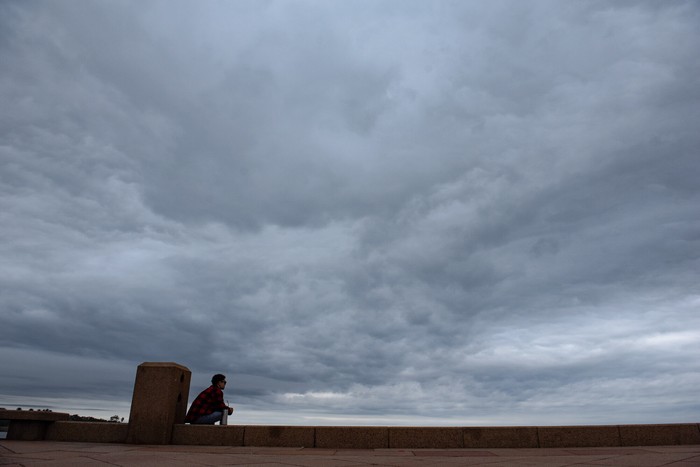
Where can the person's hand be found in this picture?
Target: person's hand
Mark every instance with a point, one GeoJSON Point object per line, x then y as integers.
{"type": "Point", "coordinates": [230, 410]}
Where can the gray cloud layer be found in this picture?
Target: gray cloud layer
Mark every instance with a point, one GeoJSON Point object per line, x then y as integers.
{"type": "Point", "coordinates": [395, 211]}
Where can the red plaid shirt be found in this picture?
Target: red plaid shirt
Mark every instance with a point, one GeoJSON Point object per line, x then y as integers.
{"type": "Point", "coordinates": [208, 401]}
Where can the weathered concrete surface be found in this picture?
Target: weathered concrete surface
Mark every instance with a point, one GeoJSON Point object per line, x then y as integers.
{"type": "Point", "coordinates": [501, 437]}
{"type": "Point", "coordinates": [32, 415]}
{"type": "Point", "coordinates": [426, 437]}
{"type": "Point", "coordinates": [578, 436]}
{"type": "Point", "coordinates": [88, 432]}
{"type": "Point", "coordinates": [352, 437]}
{"type": "Point", "coordinates": [659, 435]}
{"type": "Point", "coordinates": [367, 437]}
{"type": "Point", "coordinates": [30, 425]}
{"type": "Point", "coordinates": [210, 435]}
{"type": "Point", "coordinates": [69, 454]}
{"type": "Point", "coordinates": [280, 436]}
{"type": "Point", "coordinates": [159, 402]}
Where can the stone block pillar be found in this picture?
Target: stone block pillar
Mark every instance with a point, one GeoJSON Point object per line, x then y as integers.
{"type": "Point", "coordinates": [160, 397]}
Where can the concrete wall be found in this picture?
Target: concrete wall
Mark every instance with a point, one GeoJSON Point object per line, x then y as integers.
{"type": "Point", "coordinates": [159, 403]}
{"type": "Point", "coordinates": [88, 432]}
{"type": "Point", "coordinates": [29, 425]}
{"type": "Point", "coordinates": [394, 437]}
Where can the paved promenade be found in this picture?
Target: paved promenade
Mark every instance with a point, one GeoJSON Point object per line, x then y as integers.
{"type": "Point", "coordinates": [48, 453]}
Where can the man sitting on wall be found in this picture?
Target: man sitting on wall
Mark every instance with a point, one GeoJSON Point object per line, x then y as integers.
{"type": "Point", "coordinates": [208, 408]}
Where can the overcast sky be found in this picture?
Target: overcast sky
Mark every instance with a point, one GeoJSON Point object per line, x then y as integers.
{"type": "Point", "coordinates": [367, 212]}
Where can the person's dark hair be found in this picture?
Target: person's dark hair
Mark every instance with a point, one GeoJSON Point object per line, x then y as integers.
{"type": "Point", "coordinates": [217, 377]}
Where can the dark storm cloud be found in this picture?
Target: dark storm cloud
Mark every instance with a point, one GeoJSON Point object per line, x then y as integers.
{"type": "Point", "coordinates": [462, 212]}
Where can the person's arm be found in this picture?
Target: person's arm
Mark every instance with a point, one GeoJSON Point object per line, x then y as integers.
{"type": "Point", "coordinates": [223, 405]}
{"type": "Point", "coordinates": [218, 401]}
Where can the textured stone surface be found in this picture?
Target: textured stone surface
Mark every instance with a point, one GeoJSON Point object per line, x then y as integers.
{"type": "Point", "coordinates": [361, 437]}
{"type": "Point", "coordinates": [658, 435]}
{"type": "Point", "coordinates": [426, 437]}
{"type": "Point", "coordinates": [578, 436]}
{"type": "Point", "coordinates": [395, 437]}
{"type": "Point", "coordinates": [279, 436]}
{"type": "Point", "coordinates": [159, 401]}
{"type": "Point", "coordinates": [30, 425]}
{"type": "Point", "coordinates": [27, 430]}
{"type": "Point", "coordinates": [87, 432]}
{"type": "Point", "coordinates": [32, 415]}
{"type": "Point", "coordinates": [70, 454]}
{"type": "Point", "coordinates": [501, 437]}
{"type": "Point", "coordinates": [208, 435]}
